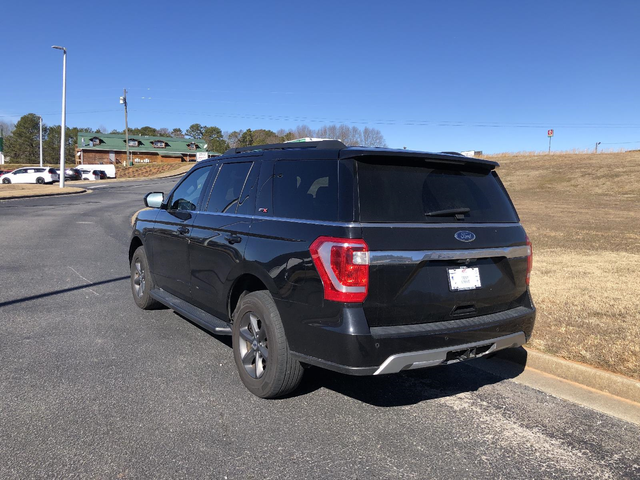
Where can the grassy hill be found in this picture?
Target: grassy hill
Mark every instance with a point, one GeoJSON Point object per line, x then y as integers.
{"type": "Point", "coordinates": [582, 213]}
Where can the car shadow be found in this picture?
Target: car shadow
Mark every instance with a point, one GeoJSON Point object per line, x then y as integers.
{"type": "Point", "coordinates": [409, 387]}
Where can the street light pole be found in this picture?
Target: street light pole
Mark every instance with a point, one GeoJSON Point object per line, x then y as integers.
{"type": "Point", "coordinates": [41, 141]}
{"type": "Point", "coordinates": [63, 126]}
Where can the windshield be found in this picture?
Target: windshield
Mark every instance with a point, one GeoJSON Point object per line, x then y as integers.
{"type": "Point", "coordinates": [397, 190]}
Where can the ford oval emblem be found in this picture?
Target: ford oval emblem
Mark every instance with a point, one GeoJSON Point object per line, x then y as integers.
{"type": "Point", "coordinates": [465, 236]}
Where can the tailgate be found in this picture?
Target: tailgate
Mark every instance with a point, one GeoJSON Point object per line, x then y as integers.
{"type": "Point", "coordinates": [445, 241]}
{"type": "Point", "coordinates": [415, 285]}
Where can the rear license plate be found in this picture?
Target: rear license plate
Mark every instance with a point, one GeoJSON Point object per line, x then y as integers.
{"type": "Point", "coordinates": [464, 278]}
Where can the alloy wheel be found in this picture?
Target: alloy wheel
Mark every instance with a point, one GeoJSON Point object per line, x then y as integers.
{"type": "Point", "coordinates": [138, 279]}
{"type": "Point", "coordinates": [253, 345]}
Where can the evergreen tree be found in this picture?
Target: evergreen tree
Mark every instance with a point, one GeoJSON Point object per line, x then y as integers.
{"type": "Point", "coordinates": [23, 146]}
{"type": "Point", "coordinates": [214, 139]}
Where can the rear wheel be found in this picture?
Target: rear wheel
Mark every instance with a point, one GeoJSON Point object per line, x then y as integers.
{"type": "Point", "coordinates": [40, 181]}
{"type": "Point", "coordinates": [141, 281]}
{"type": "Point", "coordinates": [260, 348]}
{"type": "Point", "coordinates": [6, 181]}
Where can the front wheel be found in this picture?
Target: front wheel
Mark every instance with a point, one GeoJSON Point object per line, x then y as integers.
{"type": "Point", "coordinates": [260, 348]}
{"type": "Point", "coordinates": [141, 281]}
{"type": "Point", "coordinates": [6, 181]}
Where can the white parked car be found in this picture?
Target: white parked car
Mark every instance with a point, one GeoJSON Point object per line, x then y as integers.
{"type": "Point", "coordinates": [31, 175]}
{"type": "Point", "coordinates": [89, 174]}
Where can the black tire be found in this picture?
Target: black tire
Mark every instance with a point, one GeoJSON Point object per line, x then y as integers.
{"type": "Point", "coordinates": [141, 281]}
{"type": "Point", "coordinates": [6, 181]}
{"type": "Point", "coordinates": [40, 181]}
{"type": "Point", "coordinates": [276, 375]}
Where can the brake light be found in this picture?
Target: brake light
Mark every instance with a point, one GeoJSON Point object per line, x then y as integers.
{"type": "Point", "coordinates": [343, 265]}
{"type": "Point", "coordinates": [529, 260]}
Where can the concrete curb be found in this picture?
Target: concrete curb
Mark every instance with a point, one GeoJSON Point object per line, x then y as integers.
{"type": "Point", "coordinates": [591, 377]}
{"type": "Point", "coordinates": [38, 195]}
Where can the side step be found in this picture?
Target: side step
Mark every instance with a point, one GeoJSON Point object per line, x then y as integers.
{"type": "Point", "coordinates": [195, 314]}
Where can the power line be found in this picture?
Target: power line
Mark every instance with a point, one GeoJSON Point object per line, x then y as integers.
{"type": "Point", "coordinates": [431, 123]}
{"type": "Point", "coordinates": [58, 113]}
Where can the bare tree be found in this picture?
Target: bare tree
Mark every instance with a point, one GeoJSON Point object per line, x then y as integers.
{"type": "Point", "coordinates": [6, 127]}
{"type": "Point", "coordinates": [164, 132]}
{"type": "Point", "coordinates": [372, 137]}
{"type": "Point", "coordinates": [233, 138]}
{"type": "Point", "coordinates": [302, 131]}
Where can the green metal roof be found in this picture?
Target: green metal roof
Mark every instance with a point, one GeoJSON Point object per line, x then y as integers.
{"type": "Point", "coordinates": [114, 142]}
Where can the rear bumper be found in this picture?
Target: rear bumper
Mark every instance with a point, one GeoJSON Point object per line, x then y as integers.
{"type": "Point", "coordinates": [442, 356]}
{"type": "Point", "coordinates": [347, 344]}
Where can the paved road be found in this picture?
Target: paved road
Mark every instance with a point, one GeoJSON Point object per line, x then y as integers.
{"type": "Point", "coordinates": [92, 387]}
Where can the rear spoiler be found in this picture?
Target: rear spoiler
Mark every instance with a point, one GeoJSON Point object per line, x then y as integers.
{"type": "Point", "coordinates": [450, 158]}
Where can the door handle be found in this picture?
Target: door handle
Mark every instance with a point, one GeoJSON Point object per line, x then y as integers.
{"type": "Point", "coordinates": [183, 230]}
{"type": "Point", "coordinates": [233, 239]}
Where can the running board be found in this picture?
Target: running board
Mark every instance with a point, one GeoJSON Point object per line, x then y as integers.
{"type": "Point", "coordinates": [195, 314]}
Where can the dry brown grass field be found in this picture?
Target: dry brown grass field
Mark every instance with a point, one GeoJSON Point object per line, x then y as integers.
{"type": "Point", "coordinates": [582, 213]}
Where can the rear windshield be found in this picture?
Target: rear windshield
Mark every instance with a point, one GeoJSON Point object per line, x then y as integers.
{"type": "Point", "coordinates": [401, 191]}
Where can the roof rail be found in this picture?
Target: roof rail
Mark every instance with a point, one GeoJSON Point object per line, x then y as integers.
{"type": "Point", "coordinates": [323, 145]}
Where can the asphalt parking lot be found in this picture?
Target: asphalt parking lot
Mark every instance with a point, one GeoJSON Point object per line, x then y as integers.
{"type": "Point", "coordinates": [93, 387]}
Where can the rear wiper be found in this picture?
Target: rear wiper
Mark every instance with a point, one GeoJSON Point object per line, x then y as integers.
{"type": "Point", "coordinates": [444, 213]}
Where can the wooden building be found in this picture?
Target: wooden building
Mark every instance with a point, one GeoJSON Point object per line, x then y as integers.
{"type": "Point", "coordinates": [106, 148]}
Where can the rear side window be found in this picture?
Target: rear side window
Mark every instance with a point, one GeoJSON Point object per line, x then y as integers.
{"type": "Point", "coordinates": [306, 189]}
{"type": "Point", "coordinates": [397, 190]}
{"type": "Point", "coordinates": [228, 187]}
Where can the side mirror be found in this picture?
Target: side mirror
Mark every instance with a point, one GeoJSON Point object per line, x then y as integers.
{"type": "Point", "coordinates": [153, 199]}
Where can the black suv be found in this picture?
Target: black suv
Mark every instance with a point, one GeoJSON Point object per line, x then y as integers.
{"type": "Point", "coordinates": [365, 261]}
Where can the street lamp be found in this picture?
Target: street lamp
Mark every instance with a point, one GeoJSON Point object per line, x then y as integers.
{"type": "Point", "coordinates": [64, 111]}
{"type": "Point", "coordinates": [41, 141]}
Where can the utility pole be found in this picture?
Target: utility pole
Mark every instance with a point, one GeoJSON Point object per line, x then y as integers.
{"type": "Point", "coordinates": [123, 100]}
{"type": "Point", "coordinates": [41, 141]}
{"type": "Point", "coordinates": [597, 143]}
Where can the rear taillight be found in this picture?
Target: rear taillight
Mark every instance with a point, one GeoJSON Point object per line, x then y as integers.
{"type": "Point", "coordinates": [343, 265]}
{"type": "Point", "coordinates": [529, 260]}
{"type": "Point", "coordinates": [52, 171]}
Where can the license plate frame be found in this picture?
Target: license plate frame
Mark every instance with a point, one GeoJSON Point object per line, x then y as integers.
{"type": "Point", "coordinates": [464, 278]}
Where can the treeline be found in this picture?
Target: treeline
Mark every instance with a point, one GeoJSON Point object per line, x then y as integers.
{"type": "Point", "coordinates": [22, 140]}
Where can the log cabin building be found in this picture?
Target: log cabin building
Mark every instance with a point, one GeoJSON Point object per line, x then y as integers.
{"type": "Point", "coordinates": [107, 148]}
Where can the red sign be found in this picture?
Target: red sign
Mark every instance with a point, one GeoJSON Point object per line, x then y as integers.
{"type": "Point", "coordinates": [549, 133]}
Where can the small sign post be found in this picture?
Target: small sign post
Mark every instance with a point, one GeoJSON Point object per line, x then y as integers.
{"type": "Point", "coordinates": [550, 134]}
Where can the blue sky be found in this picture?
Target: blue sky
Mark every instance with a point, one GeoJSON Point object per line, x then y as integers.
{"type": "Point", "coordinates": [431, 75]}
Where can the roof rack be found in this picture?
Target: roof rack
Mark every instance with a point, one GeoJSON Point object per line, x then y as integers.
{"type": "Point", "coordinates": [323, 145]}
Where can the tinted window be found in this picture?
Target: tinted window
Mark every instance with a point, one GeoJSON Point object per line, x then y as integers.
{"type": "Point", "coordinates": [228, 187]}
{"type": "Point", "coordinates": [421, 192]}
{"type": "Point", "coordinates": [186, 196]}
{"type": "Point", "coordinates": [306, 189]}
